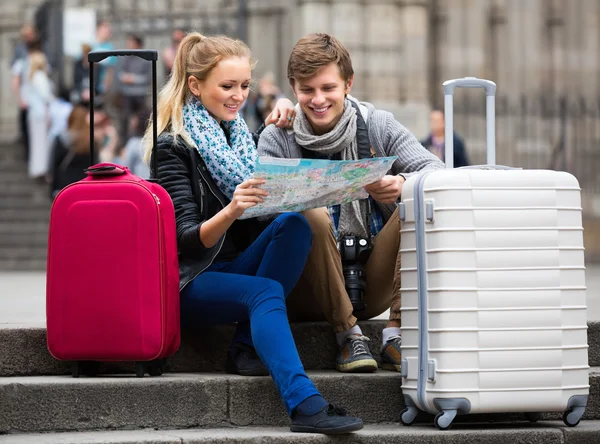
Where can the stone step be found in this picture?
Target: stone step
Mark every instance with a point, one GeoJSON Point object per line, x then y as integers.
{"type": "Point", "coordinates": [31, 264]}
{"type": "Point", "coordinates": [38, 200]}
{"type": "Point", "coordinates": [24, 227]}
{"type": "Point", "coordinates": [23, 350]}
{"type": "Point", "coordinates": [551, 432]}
{"type": "Point", "coordinates": [25, 214]}
{"type": "Point", "coordinates": [60, 403]}
{"type": "Point", "coordinates": [20, 253]}
{"type": "Point", "coordinates": [30, 239]}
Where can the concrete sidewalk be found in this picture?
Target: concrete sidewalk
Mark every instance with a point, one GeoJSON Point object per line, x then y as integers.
{"type": "Point", "coordinates": [22, 297]}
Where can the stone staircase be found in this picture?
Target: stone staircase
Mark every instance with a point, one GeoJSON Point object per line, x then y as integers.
{"type": "Point", "coordinates": [196, 402]}
{"type": "Point", "coordinates": [24, 214]}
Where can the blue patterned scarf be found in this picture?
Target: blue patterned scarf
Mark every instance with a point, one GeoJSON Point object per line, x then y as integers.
{"type": "Point", "coordinates": [229, 165]}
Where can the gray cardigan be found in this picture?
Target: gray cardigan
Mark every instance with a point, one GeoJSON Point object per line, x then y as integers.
{"type": "Point", "coordinates": [387, 136]}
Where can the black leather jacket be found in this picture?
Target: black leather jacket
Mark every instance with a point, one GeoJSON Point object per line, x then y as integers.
{"type": "Point", "coordinates": [196, 198]}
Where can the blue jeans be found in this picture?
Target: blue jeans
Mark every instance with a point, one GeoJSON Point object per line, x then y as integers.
{"type": "Point", "coordinates": [251, 290]}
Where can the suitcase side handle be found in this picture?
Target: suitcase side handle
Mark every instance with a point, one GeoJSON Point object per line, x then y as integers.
{"type": "Point", "coordinates": [490, 112]}
{"type": "Point", "coordinates": [151, 55]}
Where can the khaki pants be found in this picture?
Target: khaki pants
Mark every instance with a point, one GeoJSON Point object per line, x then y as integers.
{"type": "Point", "coordinates": [320, 293]}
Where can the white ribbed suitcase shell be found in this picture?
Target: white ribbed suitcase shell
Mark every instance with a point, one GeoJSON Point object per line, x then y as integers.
{"type": "Point", "coordinates": [494, 306]}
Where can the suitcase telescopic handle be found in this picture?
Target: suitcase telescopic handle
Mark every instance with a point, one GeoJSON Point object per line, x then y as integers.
{"type": "Point", "coordinates": [490, 111]}
{"type": "Point", "coordinates": [146, 54]}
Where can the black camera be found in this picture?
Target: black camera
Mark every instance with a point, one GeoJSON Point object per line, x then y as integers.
{"type": "Point", "coordinates": [355, 251]}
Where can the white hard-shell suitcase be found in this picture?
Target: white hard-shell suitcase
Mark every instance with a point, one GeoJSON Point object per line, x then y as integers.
{"type": "Point", "coordinates": [493, 288]}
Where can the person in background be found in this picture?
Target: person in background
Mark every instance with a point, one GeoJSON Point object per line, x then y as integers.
{"type": "Point", "coordinates": [20, 69]}
{"type": "Point", "coordinates": [132, 155]}
{"type": "Point", "coordinates": [168, 54]}
{"type": "Point", "coordinates": [71, 151]}
{"type": "Point", "coordinates": [106, 66]}
{"type": "Point", "coordinates": [81, 77]}
{"type": "Point", "coordinates": [206, 158]}
{"type": "Point", "coordinates": [133, 84]}
{"type": "Point", "coordinates": [38, 96]}
{"type": "Point", "coordinates": [435, 141]}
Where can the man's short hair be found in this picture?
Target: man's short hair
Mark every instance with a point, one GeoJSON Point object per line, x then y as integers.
{"type": "Point", "coordinates": [315, 51]}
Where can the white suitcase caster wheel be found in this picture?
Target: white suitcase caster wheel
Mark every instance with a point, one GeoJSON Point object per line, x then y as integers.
{"type": "Point", "coordinates": [572, 416]}
{"type": "Point", "coordinates": [408, 415]}
{"type": "Point", "coordinates": [443, 420]}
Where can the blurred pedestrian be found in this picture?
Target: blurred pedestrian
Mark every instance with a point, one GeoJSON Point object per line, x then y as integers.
{"type": "Point", "coordinates": [168, 54]}
{"type": "Point", "coordinates": [133, 85]}
{"type": "Point", "coordinates": [38, 96]}
{"type": "Point", "coordinates": [71, 151]}
{"type": "Point", "coordinates": [435, 142]}
{"type": "Point", "coordinates": [81, 77]}
{"type": "Point", "coordinates": [20, 69]}
{"type": "Point", "coordinates": [132, 153]}
{"type": "Point", "coordinates": [106, 66]}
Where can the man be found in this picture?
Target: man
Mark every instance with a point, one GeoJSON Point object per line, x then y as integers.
{"type": "Point", "coordinates": [105, 67]}
{"type": "Point", "coordinates": [133, 85]}
{"type": "Point", "coordinates": [435, 140]}
{"type": "Point", "coordinates": [321, 75]}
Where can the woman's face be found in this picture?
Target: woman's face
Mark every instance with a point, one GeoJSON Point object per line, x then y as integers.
{"type": "Point", "coordinates": [225, 88]}
{"type": "Point", "coordinates": [321, 97]}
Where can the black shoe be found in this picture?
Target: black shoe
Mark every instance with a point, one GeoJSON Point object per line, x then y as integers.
{"type": "Point", "coordinates": [329, 421]}
{"type": "Point", "coordinates": [243, 360]}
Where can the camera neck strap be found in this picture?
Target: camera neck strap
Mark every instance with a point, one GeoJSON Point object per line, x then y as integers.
{"type": "Point", "coordinates": [364, 151]}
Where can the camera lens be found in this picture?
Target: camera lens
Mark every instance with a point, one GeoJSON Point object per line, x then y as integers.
{"type": "Point", "coordinates": [355, 285]}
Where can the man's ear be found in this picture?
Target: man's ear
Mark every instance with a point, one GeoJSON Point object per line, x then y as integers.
{"type": "Point", "coordinates": [293, 85]}
{"type": "Point", "coordinates": [194, 85]}
{"type": "Point", "coordinates": [349, 84]}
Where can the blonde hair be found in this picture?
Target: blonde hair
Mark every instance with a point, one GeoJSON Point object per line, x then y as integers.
{"type": "Point", "coordinates": [37, 62]}
{"type": "Point", "coordinates": [196, 56]}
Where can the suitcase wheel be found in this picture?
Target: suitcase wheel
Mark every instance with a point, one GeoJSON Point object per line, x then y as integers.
{"type": "Point", "coordinates": [87, 368]}
{"type": "Point", "coordinates": [156, 367]}
{"type": "Point", "coordinates": [140, 369]}
{"type": "Point", "coordinates": [408, 415]}
{"type": "Point", "coordinates": [533, 416]}
{"type": "Point", "coordinates": [572, 416]}
{"type": "Point", "coordinates": [75, 369]}
{"type": "Point", "coordinates": [443, 420]}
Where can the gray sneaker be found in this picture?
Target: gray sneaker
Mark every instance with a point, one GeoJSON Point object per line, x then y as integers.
{"type": "Point", "coordinates": [354, 356]}
{"type": "Point", "coordinates": [391, 356]}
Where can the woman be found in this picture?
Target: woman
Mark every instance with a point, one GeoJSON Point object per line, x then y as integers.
{"type": "Point", "coordinates": [38, 97]}
{"type": "Point", "coordinates": [205, 158]}
{"type": "Point", "coordinates": [71, 151]}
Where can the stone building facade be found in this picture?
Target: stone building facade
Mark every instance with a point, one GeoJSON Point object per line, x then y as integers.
{"type": "Point", "coordinates": [402, 51]}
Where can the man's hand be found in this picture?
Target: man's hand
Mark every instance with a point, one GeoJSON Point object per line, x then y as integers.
{"type": "Point", "coordinates": [387, 190]}
{"type": "Point", "coordinates": [283, 114]}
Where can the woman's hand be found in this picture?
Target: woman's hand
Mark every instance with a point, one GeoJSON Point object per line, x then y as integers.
{"type": "Point", "coordinates": [246, 195]}
{"type": "Point", "coordinates": [282, 115]}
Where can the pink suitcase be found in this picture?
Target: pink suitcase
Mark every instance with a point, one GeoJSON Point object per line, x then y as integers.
{"type": "Point", "coordinates": [112, 291]}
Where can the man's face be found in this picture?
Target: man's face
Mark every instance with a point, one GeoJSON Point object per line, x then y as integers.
{"type": "Point", "coordinates": [321, 97]}
{"type": "Point", "coordinates": [132, 43]}
{"type": "Point", "coordinates": [104, 32]}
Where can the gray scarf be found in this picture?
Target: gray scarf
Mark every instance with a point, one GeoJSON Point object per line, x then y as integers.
{"type": "Point", "coordinates": [341, 139]}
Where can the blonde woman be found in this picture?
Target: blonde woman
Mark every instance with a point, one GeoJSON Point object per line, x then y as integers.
{"type": "Point", "coordinates": [38, 93]}
{"type": "Point", "coordinates": [206, 156]}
